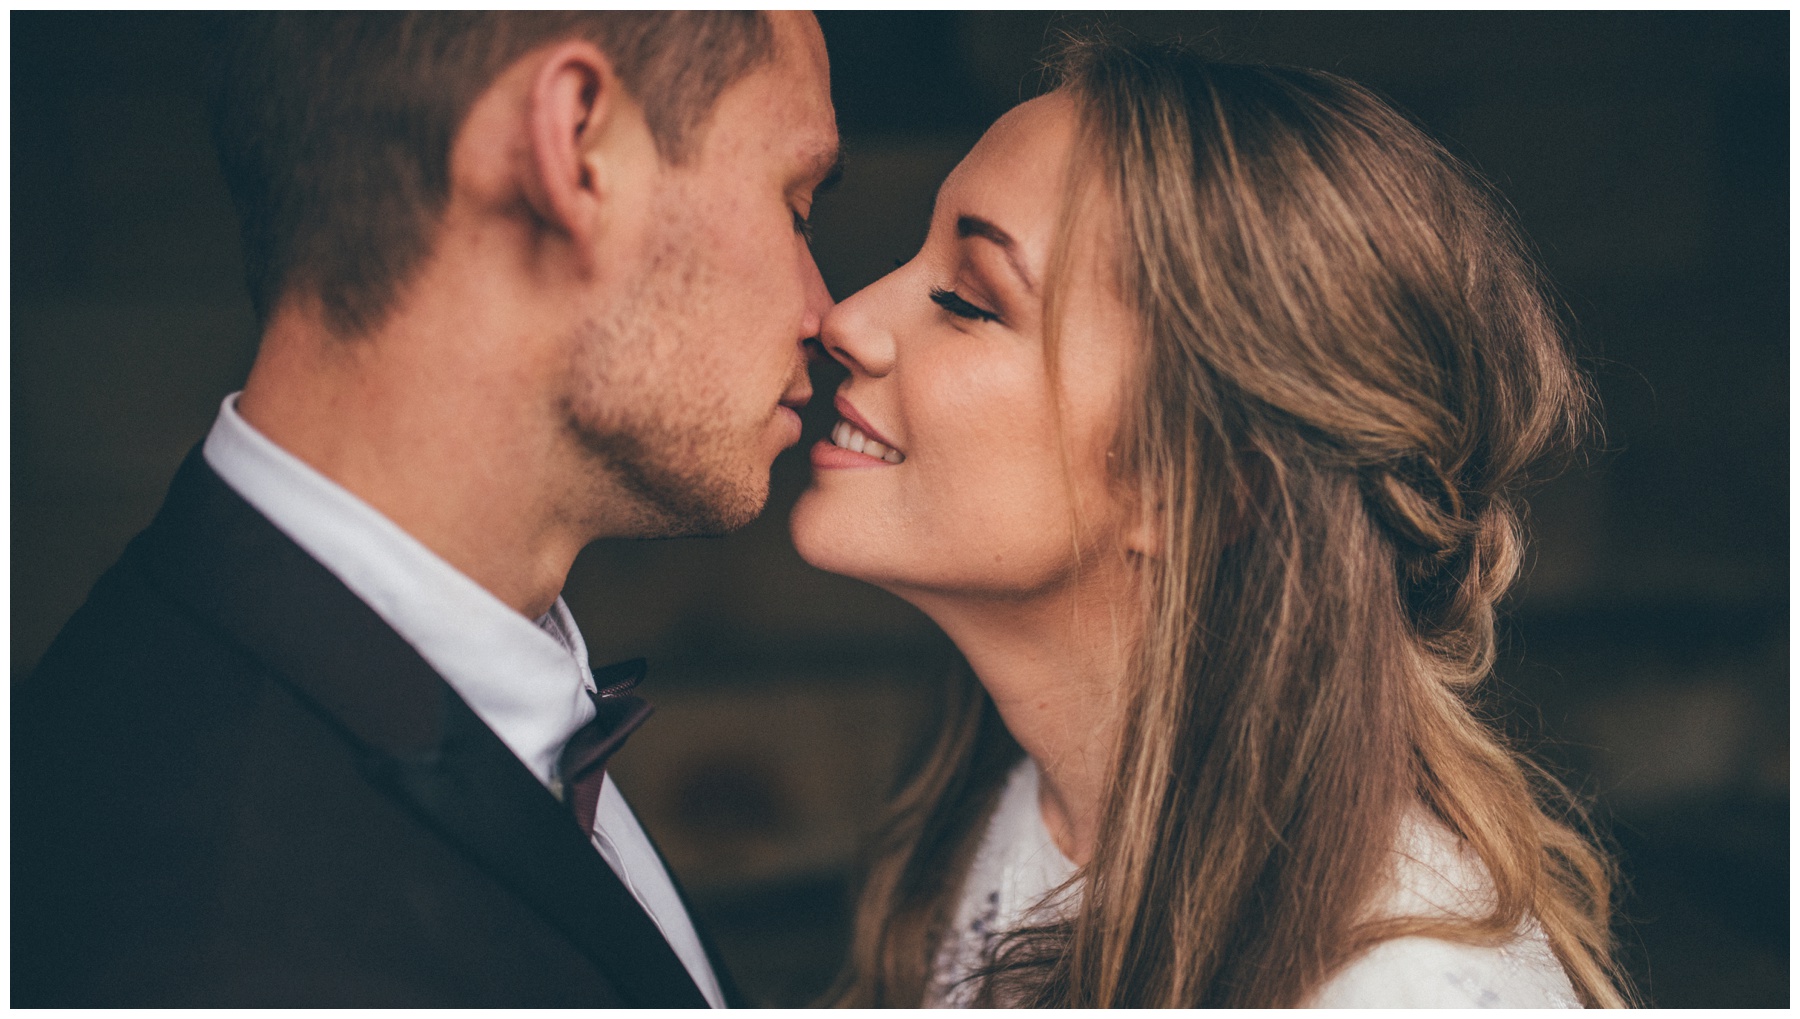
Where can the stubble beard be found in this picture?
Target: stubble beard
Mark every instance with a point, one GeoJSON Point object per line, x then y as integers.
{"type": "Point", "coordinates": [652, 417]}
{"type": "Point", "coordinates": [663, 500]}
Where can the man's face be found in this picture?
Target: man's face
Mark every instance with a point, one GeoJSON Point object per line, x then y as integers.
{"type": "Point", "coordinates": [686, 384]}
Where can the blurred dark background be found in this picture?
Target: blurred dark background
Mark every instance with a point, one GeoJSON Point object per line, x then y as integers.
{"type": "Point", "coordinates": [1646, 654]}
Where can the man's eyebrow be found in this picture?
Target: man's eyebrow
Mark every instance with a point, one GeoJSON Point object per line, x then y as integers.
{"type": "Point", "coordinates": [833, 175]}
{"type": "Point", "coordinates": [975, 226]}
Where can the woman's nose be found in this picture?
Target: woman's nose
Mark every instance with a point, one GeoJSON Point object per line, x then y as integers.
{"type": "Point", "coordinates": [857, 333]}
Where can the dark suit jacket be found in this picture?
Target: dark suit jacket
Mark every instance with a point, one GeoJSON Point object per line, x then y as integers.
{"type": "Point", "coordinates": [234, 784]}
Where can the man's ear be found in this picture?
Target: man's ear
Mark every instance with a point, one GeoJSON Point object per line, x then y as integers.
{"type": "Point", "coordinates": [587, 141]}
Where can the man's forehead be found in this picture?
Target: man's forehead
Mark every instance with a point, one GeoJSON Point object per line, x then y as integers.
{"type": "Point", "coordinates": [813, 121]}
{"type": "Point", "coordinates": [799, 38]}
{"type": "Point", "coordinates": [800, 46]}
{"type": "Point", "coordinates": [784, 107]}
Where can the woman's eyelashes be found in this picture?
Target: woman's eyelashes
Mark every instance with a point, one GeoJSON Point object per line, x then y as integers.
{"type": "Point", "coordinates": [803, 226]}
{"type": "Point", "coordinates": [955, 304]}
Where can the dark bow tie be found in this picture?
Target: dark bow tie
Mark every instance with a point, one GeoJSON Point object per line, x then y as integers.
{"type": "Point", "coordinates": [617, 714]}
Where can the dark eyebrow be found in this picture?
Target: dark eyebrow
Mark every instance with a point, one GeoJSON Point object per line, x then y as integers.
{"type": "Point", "coordinates": [975, 226]}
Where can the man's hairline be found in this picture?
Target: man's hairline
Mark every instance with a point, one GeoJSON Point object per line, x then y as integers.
{"type": "Point", "coordinates": [693, 140]}
{"type": "Point", "coordinates": [687, 146]}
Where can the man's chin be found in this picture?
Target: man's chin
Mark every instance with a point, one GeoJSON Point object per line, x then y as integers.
{"type": "Point", "coordinates": [668, 489]}
{"type": "Point", "coordinates": [698, 507]}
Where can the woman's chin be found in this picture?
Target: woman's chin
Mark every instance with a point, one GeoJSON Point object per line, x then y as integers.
{"type": "Point", "coordinates": [832, 535]}
{"type": "Point", "coordinates": [825, 538]}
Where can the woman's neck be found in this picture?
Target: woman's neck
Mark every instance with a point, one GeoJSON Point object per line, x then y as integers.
{"type": "Point", "coordinates": [1054, 666]}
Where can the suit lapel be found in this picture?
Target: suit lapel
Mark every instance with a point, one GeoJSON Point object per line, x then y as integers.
{"type": "Point", "coordinates": [734, 997]}
{"type": "Point", "coordinates": [476, 794]}
{"type": "Point", "coordinates": [417, 740]}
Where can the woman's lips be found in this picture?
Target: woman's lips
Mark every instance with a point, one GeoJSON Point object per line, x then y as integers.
{"type": "Point", "coordinates": [826, 456]}
{"type": "Point", "coordinates": [854, 442]}
{"type": "Point", "coordinates": [848, 413]}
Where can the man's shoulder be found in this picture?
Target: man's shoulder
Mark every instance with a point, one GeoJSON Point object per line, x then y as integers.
{"type": "Point", "coordinates": [235, 783]}
{"type": "Point", "coordinates": [126, 642]}
{"type": "Point", "coordinates": [211, 606]}
{"type": "Point", "coordinates": [190, 827]}
{"type": "Point", "coordinates": [138, 684]}
{"type": "Point", "coordinates": [149, 679]}
{"type": "Point", "coordinates": [133, 641]}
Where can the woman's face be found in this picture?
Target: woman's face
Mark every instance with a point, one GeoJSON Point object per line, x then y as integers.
{"type": "Point", "coordinates": [966, 490]}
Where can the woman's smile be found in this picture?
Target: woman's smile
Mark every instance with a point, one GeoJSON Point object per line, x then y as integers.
{"type": "Point", "coordinates": [854, 442]}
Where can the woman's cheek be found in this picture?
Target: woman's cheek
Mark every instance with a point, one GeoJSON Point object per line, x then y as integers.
{"type": "Point", "coordinates": [995, 516]}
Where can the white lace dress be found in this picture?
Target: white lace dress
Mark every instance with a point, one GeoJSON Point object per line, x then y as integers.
{"type": "Point", "coordinates": [1017, 864]}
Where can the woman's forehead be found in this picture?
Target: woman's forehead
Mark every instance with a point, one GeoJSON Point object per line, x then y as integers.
{"type": "Point", "coordinates": [1032, 139]}
{"type": "Point", "coordinates": [1015, 175]}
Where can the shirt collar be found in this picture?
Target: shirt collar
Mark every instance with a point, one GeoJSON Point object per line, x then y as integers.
{"type": "Point", "coordinates": [529, 683]}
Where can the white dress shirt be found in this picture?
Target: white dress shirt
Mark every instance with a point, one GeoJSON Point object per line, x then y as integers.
{"type": "Point", "coordinates": [528, 682]}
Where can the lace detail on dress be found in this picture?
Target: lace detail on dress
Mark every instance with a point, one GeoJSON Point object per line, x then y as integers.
{"type": "Point", "coordinates": [1015, 866]}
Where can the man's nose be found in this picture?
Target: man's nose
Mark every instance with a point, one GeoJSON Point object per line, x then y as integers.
{"type": "Point", "coordinates": [818, 302]}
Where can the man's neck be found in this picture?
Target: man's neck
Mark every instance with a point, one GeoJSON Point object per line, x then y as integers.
{"type": "Point", "coordinates": [414, 430]}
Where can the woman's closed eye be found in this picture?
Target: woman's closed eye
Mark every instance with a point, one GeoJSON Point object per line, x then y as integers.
{"type": "Point", "coordinates": [955, 304]}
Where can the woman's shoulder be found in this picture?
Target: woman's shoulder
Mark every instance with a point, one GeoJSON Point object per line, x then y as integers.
{"type": "Point", "coordinates": [1420, 972]}
{"type": "Point", "coordinates": [1435, 875]}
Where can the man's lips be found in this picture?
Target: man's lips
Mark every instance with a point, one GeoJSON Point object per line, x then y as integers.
{"type": "Point", "coordinates": [789, 407]}
{"type": "Point", "coordinates": [796, 400]}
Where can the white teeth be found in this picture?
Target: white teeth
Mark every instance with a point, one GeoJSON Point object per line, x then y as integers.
{"type": "Point", "coordinates": [850, 437]}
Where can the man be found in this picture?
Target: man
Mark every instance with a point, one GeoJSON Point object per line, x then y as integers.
{"type": "Point", "coordinates": [326, 733]}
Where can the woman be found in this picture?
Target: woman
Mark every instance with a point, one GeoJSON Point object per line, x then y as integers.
{"type": "Point", "coordinates": [1198, 424]}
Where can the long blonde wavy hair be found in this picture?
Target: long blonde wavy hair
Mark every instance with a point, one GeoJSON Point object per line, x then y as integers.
{"type": "Point", "coordinates": [1349, 366]}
